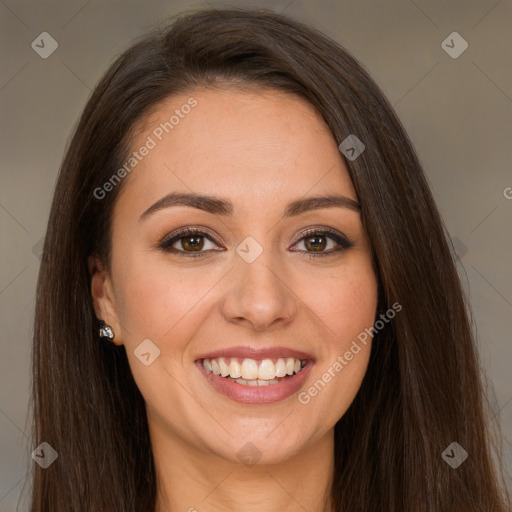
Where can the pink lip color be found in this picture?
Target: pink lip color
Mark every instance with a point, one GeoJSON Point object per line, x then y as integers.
{"type": "Point", "coordinates": [256, 395]}
{"type": "Point", "coordinates": [260, 353]}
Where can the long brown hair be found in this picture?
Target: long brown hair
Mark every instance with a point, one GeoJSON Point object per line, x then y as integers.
{"type": "Point", "coordinates": [423, 389]}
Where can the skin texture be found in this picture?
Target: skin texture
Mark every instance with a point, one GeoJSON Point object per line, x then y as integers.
{"type": "Point", "coordinates": [260, 150]}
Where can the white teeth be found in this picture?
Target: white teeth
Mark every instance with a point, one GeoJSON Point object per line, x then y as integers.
{"type": "Point", "coordinates": [254, 373]}
{"type": "Point", "coordinates": [258, 382]}
{"type": "Point", "coordinates": [280, 368]}
{"type": "Point", "coordinates": [249, 369]}
{"type": "Point", "coordinates": [266, 370]}
{"type": "Point", "coordinates": [215, 367]}
{"type": "Point", "coordinates": [235, 369]}
{"type": "Point", "coordinates": [224, 368]}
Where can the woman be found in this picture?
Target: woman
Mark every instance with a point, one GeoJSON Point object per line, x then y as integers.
{"type": "Point", "coordinates": [246, 299]}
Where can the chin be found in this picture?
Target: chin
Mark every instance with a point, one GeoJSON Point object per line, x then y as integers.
{"type": "Point", "coordinates": [260, 448]}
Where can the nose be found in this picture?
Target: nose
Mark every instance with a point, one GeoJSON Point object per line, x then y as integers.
{"type": "Point", "coordinates": [259, 294]}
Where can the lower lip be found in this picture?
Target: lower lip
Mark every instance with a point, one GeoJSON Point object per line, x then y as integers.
{"type": "Point", "coordinates": [257, 395]}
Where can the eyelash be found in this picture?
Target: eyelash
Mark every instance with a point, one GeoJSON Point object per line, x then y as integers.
{"type": "Point", "coordinates": [343, 242]}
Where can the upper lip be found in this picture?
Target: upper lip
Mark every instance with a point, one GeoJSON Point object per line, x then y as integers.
{"type": "Point", "coordinates": [256, 353]}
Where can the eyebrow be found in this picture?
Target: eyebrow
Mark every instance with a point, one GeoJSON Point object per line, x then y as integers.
{"type": "Point", "coordinates": [219, 206]}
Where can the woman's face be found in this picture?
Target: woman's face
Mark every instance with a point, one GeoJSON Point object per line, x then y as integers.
{"type": "Point", "coordinates": [262, 285]}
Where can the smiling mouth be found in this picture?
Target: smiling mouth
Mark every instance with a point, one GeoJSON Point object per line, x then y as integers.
{"type": "Point", "coordinates": [254, 372]}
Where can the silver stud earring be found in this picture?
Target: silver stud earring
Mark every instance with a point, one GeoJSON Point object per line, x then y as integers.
{"type": "Point", "coordinates": [105, 331]}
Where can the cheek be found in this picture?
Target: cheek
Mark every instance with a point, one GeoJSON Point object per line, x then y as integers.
{"type": "Point", "coordinates": [156, 301]}
{"type": "Point", "coordinates": [352, 319]}
{"type": "Point", "coordinates": [347, 307]}
{"type": "Point", "coordinates": [357, 302]}
{"type": "Point", "coordinates": [347, 301]}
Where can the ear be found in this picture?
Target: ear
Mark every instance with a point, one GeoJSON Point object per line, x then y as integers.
{"type": "Point", "coordinates": [103, 296]}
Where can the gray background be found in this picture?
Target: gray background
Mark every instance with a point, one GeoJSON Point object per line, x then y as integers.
{"type": "Point", "coordinates": [457, 112]}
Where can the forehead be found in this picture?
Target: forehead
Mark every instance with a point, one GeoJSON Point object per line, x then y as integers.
{"type": "Point", "coordinates": [260, 146]}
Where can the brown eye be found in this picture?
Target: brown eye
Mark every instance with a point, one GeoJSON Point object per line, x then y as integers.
{"type": "Point", "coordinates": [192, 243]}
{"type": "Point", "coordinates": [324, 243]}
{"type": "Point", "coordinates": [188, 242]}
{"type": "Point", "coordinates": [315, 243]}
